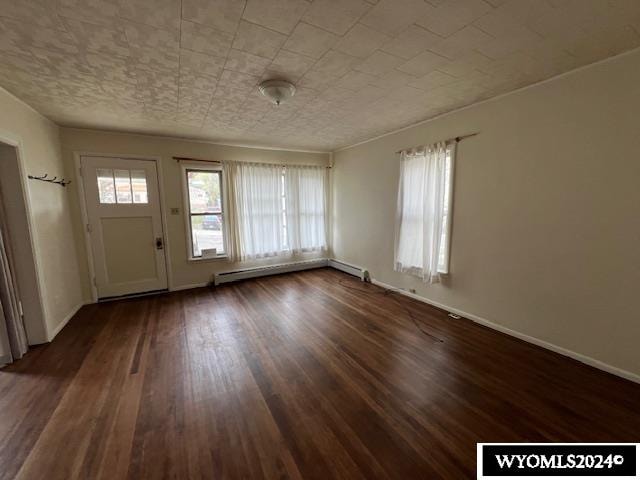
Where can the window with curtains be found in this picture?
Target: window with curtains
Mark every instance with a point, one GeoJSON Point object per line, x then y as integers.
{"type": "Point", "coordinates": [423, 230]}
{"type": "Point", "coordinates": [204, 210]}
{"type": "Point", "coordinates": [274, 209]}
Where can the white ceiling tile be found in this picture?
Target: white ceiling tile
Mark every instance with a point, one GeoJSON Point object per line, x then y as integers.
{"type": "Point", "coordinates": [432, 80]}
{"type": "Point", "coordinates": [104, 12]}
{"type": "Point", "coordinates": [238, 80]}
{"type": "Point", "coordinates": [12, 41]}
{"type": "Point", "coordinates": [96, 38]}
{"type": "Point", "coordinates": [393, 79]}
{"type": "Point", "coordinates": [393, 16]}
{"type": "Point", "coordinates": [462, 42]}
{"type": "Point", "coordinates": [547, 48]}
{"type": "Point", "coordinates": [555, 26]}
{"type": "Point", "coordinates": [355, 80]}
{"type": "Point", "coordinates": [368, 93]}
{"type": "Point", "coordinates": [335, 63]}
{"type": "Point", "coordinates": [194, 84]}
{"type": "Point", "coordinates": [200, 38]}
{"type": "Point", "coordinates": [122, 63]}
{"type": "Point", "coordinates": [524, 10]}
{"type": "Point", "coordinates": [500, 25]}
{"type": "Point", "coordinates": [453, 15]}
{"type": "Point", "coordinates": [201, 63]}
{"type": "Point", "coordinates": [123, 92]}
{"type": "Point", "coordinates": [604, 43]}
{"type": "Point", "coordinates": [219, 14]}
{"type": "Point", "coordinates": [423, 63]}
{"type": "Point", "coordinates": [65, 66]}
{"type": "Point", "coordinates": [17, 36]}
{"type": "Point", "coordinates": [145, 36]}
{"type": "Point", "coordinates": [379, 63]}
{"type": "Point", "coordinates": [23, 64]}
{"type": "Point", "coordinates": [316, 80]}
{"type": "Point", "coordinates": [36, 12]}
{"type": "Point", "coordinates": [466, 64]}
{"type": "Point", "coordinates": [244, 62]}
{"type": "Point", "coordinates": [158, 13]}
{"type": "Point", "coordinates": [335, 95]}
{"type": "Point", "coordinates": [155, 58]}
{"type": "Point", "coordinates": [258, 40]}
{"type": "Point", "coordinates": [289, 65]}
{"type": "Point", "coordinates": [411, 42]}
{"type": "Point", "coordinates": [109, 67]}
{"type": "Point", "coordinates": [311, 41]}
{"type": "Point", "coordinates": [279, 15]}
{"type": "Point", "coordinates": [361, 41]}
{"type": "Point", "coordinates": [336, 16]}
{"type": "Point", "coordinates": [406, 93]}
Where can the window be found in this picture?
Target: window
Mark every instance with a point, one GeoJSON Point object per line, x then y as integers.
{"type": "Point", "coordinates": [277, 210]}
{"type": "Point", "coordinates": [424, 211]}
{"type": "Point", "coordinates": [205, 214]}
{"type": "Point", "coordinates": [121, 186]}
{"type": "Point", "coordinates": [443, 251]}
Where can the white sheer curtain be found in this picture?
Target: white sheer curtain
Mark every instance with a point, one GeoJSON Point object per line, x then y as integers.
{"type": "Point", "coordinates": [424, 206]}
{"type": "Point", "coordinates": [305, 206]}
{"type": "Point", "coordinates": [254, 195]}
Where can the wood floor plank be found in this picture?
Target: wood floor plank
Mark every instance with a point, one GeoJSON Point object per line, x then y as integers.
{"type": "Point", "coordinates": [299, 376]}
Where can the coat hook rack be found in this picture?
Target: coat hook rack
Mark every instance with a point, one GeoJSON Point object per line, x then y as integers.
{"type": "Point", "coordinates": [45, 178]}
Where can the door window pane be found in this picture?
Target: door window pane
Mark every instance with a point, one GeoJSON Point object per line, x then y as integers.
{"type": "Point", "coordinates": [204, 191]}
{"type": "Point", "coordinates": [123, 186]}
{"type": "Point", "coordinates": [206, 231]}
{"type": "Point", "coordinates": [139, 186]}
{"type": "Point", "coordinates": [106, 188]}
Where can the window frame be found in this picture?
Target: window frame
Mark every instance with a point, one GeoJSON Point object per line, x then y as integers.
{"type": "Point", "coordinates": [444, 266]}
{"type": "Point", "coordinates": [185, 169]}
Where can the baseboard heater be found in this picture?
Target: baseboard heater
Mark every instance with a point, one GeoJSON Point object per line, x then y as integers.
{"type": "Point", "coordinates": [361, 273]}
{"type": "Point", "coordinates": [234, 275]}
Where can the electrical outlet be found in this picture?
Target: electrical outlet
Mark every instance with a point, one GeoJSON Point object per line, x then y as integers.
{"type": "Point", "coordinates": [175, 211]}
{"type": "Point", "coordinates": [412, 290]}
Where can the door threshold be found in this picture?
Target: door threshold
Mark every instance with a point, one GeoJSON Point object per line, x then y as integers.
{"type": "Point", "coordinates": [132, 295]}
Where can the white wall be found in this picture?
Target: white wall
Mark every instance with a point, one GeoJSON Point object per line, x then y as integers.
{"type": "Point", "coordinates": [546, 224]}
{"type": "Point", "coordinates": [184, 273]}
{"type": "Point", "coordinates": [50, 219]}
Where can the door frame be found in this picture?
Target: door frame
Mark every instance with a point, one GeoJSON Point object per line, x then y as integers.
{"type": "Point", "coordinates": [82, 200]}
{"type": "Point", "coordinates": [40, 333]}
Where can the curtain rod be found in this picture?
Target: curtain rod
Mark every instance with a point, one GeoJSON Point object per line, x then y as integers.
{"type": "Point", "coordinates": [457, 139]}
{"type": "Point", "coordinates": [189, 159]}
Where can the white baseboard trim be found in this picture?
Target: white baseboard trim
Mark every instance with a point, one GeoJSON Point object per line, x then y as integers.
{"type": "Point", "coordinates": [592, 362]}
{"type": "Point", "coordinates": [65, 320]}
{"type": "Point", "coordinates": [189, 286]}
{"type": "Point", "coordinates": [354, 270]}
{"type": "Point", "coordinates": [266, 270]}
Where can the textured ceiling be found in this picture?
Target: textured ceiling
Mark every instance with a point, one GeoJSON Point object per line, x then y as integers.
{"type": "Point", "coordinates": [363, 68]}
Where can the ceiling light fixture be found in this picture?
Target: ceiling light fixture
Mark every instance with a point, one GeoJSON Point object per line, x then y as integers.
{"type": "Point", "coordinates": [277, 91]}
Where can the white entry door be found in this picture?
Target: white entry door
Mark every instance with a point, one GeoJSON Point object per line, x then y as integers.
{"type": "Point", "coordinates": [125, 225]}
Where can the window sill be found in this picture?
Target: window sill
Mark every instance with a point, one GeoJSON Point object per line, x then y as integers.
{"type": "Point", "coordinates": [210, 259]}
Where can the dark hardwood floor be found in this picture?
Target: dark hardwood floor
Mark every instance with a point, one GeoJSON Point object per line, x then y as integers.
{"type": "Point", "coordinates": [305, 375]}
